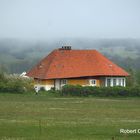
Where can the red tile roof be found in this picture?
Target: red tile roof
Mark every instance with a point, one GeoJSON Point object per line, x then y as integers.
{"type": "Point", "coordinates": [75, 63]}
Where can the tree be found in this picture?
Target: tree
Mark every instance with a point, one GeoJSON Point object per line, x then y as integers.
{"type": "Point", "coordinates": [130, 80]}
{"type": "Point", "coordinates": [138, 77]}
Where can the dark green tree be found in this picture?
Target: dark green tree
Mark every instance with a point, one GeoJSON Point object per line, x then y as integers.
{"type": "Point", "coordinates": [138, 77]}
{"type": "Point", "coordinates": [130, 80]}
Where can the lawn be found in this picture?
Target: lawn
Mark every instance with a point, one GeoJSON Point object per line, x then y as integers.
{"type": "Point", "coordinates": [41, 117]}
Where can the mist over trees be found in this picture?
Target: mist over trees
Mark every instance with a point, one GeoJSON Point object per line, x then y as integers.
{"type": "Point", "coordinates": [17, 56]}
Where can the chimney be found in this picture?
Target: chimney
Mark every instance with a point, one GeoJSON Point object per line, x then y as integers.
{"type": "Point", "coordinates": [65, 48]}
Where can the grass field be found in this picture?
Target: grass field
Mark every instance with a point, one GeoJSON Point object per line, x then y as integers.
{"type": "Point", "coordinates": [40, 117]}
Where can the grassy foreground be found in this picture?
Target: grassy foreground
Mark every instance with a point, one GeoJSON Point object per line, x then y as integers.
{"type": "Point", "coordinates": [40, 117]}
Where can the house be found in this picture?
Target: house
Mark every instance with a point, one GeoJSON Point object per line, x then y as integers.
{"type": "Point", "coordinates": [76, 67]}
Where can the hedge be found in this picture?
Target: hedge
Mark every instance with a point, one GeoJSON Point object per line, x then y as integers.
{"type": "Point", "coordinates": [71, 90]}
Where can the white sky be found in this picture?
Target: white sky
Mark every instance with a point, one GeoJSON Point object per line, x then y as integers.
{"type": "Point", "coordinates": [52, 19]}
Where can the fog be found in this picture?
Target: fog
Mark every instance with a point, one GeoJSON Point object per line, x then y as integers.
{"type": "Point", "coordinates": [54, 19]}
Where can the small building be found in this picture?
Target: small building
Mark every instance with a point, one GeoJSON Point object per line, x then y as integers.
{"type": "Point", "coordinates": [76, 67]}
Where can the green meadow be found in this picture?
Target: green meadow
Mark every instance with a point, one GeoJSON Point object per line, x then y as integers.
{"type": "Point", "coordinates": [43, 117]}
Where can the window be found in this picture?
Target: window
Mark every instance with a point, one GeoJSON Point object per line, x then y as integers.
{"type": "Point", "coordinates": [114, 82]}
{"type": "Point", "coordinates": [92, 82]}
{"type": "Point", "coordinates": [108, 82]}
{"type": "Point", "coordinates": [123, 82]}
{"type": "Point", "coordinates": [63, 82]}
{"type": "Point", "coordinates": [120, 81]}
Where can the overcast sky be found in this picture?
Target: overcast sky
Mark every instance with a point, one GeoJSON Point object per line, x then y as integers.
{"type": "Point", "coordinates": [52, 19]}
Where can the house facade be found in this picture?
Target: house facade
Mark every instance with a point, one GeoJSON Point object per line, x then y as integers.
{"type": "Point", "coordinates": [76, 67]}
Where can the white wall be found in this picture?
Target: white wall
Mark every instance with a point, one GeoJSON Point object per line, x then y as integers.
{"type": "Point", "coordinates": [46, 87]}
{"type": "Point", "coordinates": [57, 84]}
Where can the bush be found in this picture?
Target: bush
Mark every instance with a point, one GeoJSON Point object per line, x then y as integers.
{"type": "Point", "coordinates": [71, 90]}
{"type": "Point", "coordinates": [15, 84]}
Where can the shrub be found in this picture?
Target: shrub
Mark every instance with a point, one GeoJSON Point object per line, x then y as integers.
{"type": "Point", "coordinates": [71, 90]}
{"type": "Point", "coordinates": [15, 84]}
